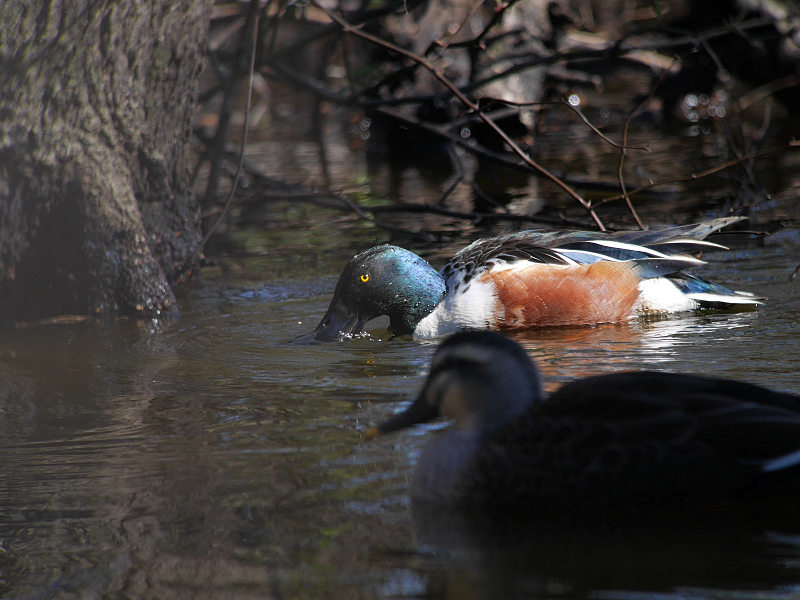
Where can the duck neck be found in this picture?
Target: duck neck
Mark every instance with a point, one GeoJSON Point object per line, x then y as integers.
{"type": "Point", "coordinates": [513, 395]}
{"type": "Point", "coordinates": [417, 294]}
{"type": "Point", "coordinates": [441, 467]}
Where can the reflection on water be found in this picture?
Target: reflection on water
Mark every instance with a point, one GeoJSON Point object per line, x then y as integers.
{"type": "Point", "coordinates": [213, 457]}
{"type": "Point", "coordinates": [520, 557]}
{"type": "Point", "coordinates": [662, 344]}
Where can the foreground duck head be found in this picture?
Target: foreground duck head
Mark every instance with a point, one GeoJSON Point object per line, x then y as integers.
{"type": "Point", "coordinates": [384, 280]}
{"type": "Point", "coordinates": [650, 444]}
{"type": "Point", "coordinates": [481, 379]}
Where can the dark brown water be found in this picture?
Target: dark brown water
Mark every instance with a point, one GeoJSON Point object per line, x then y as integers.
{"type": "Point", "coordinates": [213, 457]}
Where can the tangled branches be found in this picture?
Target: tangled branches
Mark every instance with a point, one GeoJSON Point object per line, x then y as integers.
{"type": "Point", "coordinates": [483, 80]}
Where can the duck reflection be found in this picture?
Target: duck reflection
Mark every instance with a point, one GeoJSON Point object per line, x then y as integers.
{"type": "Point", "coordinates": [513, 554]}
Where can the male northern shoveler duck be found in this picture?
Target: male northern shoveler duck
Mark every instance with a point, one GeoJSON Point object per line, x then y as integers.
{"type": "Point", "coordinates": [636, 440]}
{"type": "Point", "coordinates": [527, 279]}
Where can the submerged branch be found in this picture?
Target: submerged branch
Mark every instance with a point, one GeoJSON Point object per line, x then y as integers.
{"type": "Point", "coordinates": [706, 173]}
{"type": "Point", "coordinates": [481, 151]}
{"type": "Point", "coordinates": [615, 49]}
{"type": "Point", "coordinates": [471, 105]}
{"type": "Point", "coordinates": [252, 39]}
{"type": "Point", "coordinates": [621, 177]}
{"type": "Point", "coordinates": [266, 188]}
{"type": "Point", "coordinates": [379, 98]}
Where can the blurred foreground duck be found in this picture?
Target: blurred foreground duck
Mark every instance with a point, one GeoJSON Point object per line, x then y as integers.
{"type": "Point", "coordinates": [529, 279]}
{"type": "Point", "coordinates": [645, 441]}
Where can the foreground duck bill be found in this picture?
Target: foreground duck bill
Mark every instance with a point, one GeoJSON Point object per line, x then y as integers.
{"type": "Point", "coordinates": [335, 323]}
{"type": "Point", "coordinates": [419, 411]}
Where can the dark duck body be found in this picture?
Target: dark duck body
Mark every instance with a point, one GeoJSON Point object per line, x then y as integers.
{"type": "Point", "coordinates": [530, 279]}
{"type": "Point", "coordinates": [640, 441]}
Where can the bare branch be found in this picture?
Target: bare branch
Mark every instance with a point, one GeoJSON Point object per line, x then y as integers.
{"type": "Point", "coordinates": [471, 105]}
{"type": "Point", "coordinates": [252, 31]}
{"type": "Point", "coordinates": [707, 172]}
{"type": "Point", "coordinates": [583, 117]}
{"type": "Point", "coordinates": [621, 177]}
{"type": "Point", "coordinates": [613, 49]}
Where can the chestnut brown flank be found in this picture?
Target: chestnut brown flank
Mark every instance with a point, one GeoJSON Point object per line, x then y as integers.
{"type": "Point", "coordinates": [541, 295]}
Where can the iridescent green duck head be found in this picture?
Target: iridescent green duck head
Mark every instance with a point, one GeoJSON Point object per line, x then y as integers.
{"type": "Point", "coordinates": [384, 280]}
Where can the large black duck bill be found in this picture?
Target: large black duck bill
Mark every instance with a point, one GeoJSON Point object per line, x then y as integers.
{"type": "Point", "coordinates": [646, 442]}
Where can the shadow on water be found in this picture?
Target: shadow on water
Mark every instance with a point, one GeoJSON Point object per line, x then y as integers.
{"type": "Point", "coordinates": [518, 555]}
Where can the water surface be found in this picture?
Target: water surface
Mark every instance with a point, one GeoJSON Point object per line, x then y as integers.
{"type": "Point", "coordinates": [213, 457]}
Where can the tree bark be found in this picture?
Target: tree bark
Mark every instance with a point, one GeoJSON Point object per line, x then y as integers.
{"type": "Point", "coordinates": [96, 102]}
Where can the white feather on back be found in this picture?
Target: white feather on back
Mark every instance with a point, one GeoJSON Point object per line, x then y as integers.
{"type": "Point", "coordinates": [471, 305]}
{"type": "Point", "coordinates": [660, 295]}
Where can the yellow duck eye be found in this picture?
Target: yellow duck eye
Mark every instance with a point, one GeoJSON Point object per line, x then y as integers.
{"type": "Point", "coordinates": [364, 278]}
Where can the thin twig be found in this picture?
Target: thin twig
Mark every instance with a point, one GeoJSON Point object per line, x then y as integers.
{"type": "Point", "coordinates": [481, 151]}
{"type": "Point", "coordinates": [57, 320]}
{"type": "Point", "coordinates": [737, 152]}
{"type": "Point", "coordinates": [253, 21]}
{"type": "Point", "coordinates": [301, 42]}
{"type": "Point", "coordinates": [461, 174]}
{"type": "Point", "coordinates": [536, 59]}
{"type": "Point", "coordinates": [472, 216]}
{"type": "Point", "coordinates": [604, 137]}
{"type": "Point", "coordinates": [226, 112]}
{"type": "Point", "coordinates": [623, 148]}
{"type": "Point", "coordinates": [340, 201]}
{"type": "Point", "coordinates": [701, 174]}
{"type": "Point", "coordinates": [450, 35]}
{"type": "Point", "coordinates": [479, 42]}
{"type": "Point", "coordinates": [765, 123]}
{"type": "Point", "coordinates": [613, 50]}
{"type": "Point", "coordinates": [623, 151]}
{"type": "Point", "coordinates": [766, 90]}
{"type": "Point", "coordinates": [496, 17]}
{"type": "Point", "coordinates": [468, 103]}
{"type": "Point", "coordinates": [583, 117]}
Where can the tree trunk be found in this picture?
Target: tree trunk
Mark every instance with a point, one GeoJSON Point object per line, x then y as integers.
{"type": "Point", "coordinates": [96, 102]}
